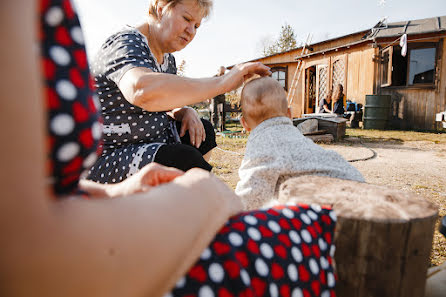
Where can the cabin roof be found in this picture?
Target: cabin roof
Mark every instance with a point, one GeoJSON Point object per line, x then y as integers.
{"type": "Point", "coordinates": [412, 27]}
{"type": "Point", "coordinates": [385, 30]}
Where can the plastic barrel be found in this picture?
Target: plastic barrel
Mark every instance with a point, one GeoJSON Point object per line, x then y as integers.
{"type": "Point", "coordinates": [376, 111]}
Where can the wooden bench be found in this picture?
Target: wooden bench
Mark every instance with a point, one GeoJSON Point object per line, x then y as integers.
{"type": "Point", "coordinates": [331, 123]}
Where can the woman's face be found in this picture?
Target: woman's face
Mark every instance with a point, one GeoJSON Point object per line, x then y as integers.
{"type": "Point", "coordinates": [337, 93]}
{"type": "Point", "coordinates": [179, 25]}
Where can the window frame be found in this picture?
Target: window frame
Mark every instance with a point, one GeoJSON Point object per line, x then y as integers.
{"type": "Point", "coordinates": [386, 82]}
{"type": "Point", "coordinates": [284, 69]}
{"type": "Point", "coordinates": [412, 46]}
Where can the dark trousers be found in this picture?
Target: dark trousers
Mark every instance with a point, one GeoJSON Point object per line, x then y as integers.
{"type": "Point", "coordinates": [183, 155]}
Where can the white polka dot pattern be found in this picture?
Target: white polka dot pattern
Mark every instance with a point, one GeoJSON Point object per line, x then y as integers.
{"type": "Point", "coordinates": [62, 124]}
{"type": "Point", "coordinates": [67, 152]}
{"type": "Point", "coordinates": [216, 273]}
{"type": "Point", "coordinates": [273, 290]}
{"type": "Point", "coordinates": [66, 90]}
{"type": "Point", "coordinates": [235, 239]}
{"type": "Point", "coordinates": [54, 16]}
{"type": "Point", "coordinates": [261, 267]}
{"type": "Point", "coordinates": [206, 291]}
{"type": "Point", "coordinates": [266, 250]}
{"type": "Point", "coordinates": [60, 55]}
{"type": "Point", "coordinates": [254, 234]}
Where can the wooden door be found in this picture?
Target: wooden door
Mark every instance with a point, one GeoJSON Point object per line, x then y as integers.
{"type": "Point", "coordinates": [339, 73]}
{"type": "Point", "coordinates": [310, 89]}
{"type": "Point", "coordinates": [322, 72]}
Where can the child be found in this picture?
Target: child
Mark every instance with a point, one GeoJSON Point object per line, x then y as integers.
{"type": "Point", "coordinates": [276, 150]}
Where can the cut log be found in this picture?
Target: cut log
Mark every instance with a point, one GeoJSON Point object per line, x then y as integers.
{"type": "Point", "coordinates": [319, 132]}
{"type": "Point", "coordinates": [324, 138]}
{"type": "Point", "coordinates": [383, 236]}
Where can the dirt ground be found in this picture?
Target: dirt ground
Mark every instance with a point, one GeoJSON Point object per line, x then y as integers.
{"type": "Point", "coordinates": [406, 161]}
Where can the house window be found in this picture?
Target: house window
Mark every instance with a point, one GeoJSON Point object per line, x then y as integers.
{"type": "Point", "coordinates": [422, 66]}
{"type": "Point", "coordinates": [280, 74]}
{"type": "Point", "coordinates": [417, 68]}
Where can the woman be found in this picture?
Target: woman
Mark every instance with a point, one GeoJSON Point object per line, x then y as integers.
{"type": "Point", "coordinates": [338, 99]}
{"type": "Point", "coordinates": [325, 103]}
{"type": "Point", "coordinates": [142, 99]}
{"type": "Point", "coordinates": [138, 246]}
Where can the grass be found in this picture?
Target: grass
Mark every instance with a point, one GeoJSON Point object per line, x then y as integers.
{"type": "Point", "coordinates": [227, 159]}
{"type": "Point", "coordinates": [396, 136]}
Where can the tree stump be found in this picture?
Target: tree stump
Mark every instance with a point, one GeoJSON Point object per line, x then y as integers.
{"type": "Point", "coordinates": [383, 236]}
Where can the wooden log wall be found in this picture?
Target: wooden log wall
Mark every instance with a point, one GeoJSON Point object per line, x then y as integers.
{"type": "Point", "coordinates": [360, 75]}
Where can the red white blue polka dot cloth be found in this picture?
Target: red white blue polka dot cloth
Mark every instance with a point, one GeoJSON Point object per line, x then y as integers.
{"type": "Point", "coordinates": [283, 251]}
{"type": "Point", "coordinates": [74, 130]}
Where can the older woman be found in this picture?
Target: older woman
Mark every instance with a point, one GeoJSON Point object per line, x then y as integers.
{"type": "Point", "coordinates": [142, 99]}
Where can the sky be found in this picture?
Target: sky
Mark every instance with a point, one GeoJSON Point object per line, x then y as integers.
{"type": "Point", "coordinates": [236, 28]}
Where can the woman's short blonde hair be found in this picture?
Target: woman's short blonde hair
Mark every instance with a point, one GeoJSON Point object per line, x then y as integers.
{"type": "Point", "coordinates": [204, 5]}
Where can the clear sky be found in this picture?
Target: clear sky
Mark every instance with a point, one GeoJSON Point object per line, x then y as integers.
{"type": "Point", "coordinates": [236, 28]}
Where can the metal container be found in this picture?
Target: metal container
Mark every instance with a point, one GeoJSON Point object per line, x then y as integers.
{"type": "Point", "coordinates": [377, 111]}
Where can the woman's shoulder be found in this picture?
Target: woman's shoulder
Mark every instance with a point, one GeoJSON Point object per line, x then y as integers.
{"type": "Point", "coordinates": [127, 34]}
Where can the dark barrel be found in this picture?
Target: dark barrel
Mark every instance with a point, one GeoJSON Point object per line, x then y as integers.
{"type": "Point", "coordinates": [377, 111]}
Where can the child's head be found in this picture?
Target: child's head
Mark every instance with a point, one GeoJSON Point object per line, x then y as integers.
{"type": "Point", "coordinates": [261, 99]}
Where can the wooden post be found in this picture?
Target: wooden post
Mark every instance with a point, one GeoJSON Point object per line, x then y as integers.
{"type": "Point", "coordinates": [383, 236]}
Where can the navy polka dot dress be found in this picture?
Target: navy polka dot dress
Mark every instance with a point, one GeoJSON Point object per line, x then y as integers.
{"type": "Point", "coordinates": [131, 136]}
{"type": "Point", "coordinates": [281, 251]}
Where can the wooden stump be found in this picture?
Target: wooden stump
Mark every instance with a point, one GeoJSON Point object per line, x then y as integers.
{"type": "Point", "coordinates": [383, 237]}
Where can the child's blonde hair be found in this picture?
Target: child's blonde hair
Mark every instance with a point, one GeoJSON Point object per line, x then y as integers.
{"type": "Point", "coordinates": [263, 98]}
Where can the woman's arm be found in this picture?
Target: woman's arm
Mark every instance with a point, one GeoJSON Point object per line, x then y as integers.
{"type": "Point", "coordinates": [159, 91]}
{"type": "Point", "coordinates": [326, 108]}
{"type": "Point", "coordinates": [136, 246]}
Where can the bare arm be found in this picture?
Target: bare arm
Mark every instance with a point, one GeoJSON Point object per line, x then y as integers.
{"type": "Point", "coordinates": [118, 247]}
{"type": "Point", "coordinates": [159, 91]}
{"type": "Point", "coordinates": [326, 108]}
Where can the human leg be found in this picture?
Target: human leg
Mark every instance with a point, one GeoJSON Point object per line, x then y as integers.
{"type": "Point", "coordinates": [181, 156]}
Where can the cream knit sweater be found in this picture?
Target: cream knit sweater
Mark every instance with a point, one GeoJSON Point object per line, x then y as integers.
{"type": "Point", "coordinates": [276, 151]}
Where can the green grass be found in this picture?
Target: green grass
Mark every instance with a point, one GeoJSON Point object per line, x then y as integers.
{"type": "Point", "coordinates": [396, 135]}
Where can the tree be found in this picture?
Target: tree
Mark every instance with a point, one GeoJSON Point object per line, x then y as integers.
{"type": "Point", "coordinates": [181, 69]}
{"type": "Point", "coordinates": [285, 42]}
{"type": "Point", "coordinates": [287, 39]}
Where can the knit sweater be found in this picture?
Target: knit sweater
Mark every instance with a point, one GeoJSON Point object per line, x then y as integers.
{"type": "Point", "coordinates": [276, 151]}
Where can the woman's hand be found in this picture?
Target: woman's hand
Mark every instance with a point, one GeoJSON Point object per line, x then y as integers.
{"type": "Point", "coordinates": [242, 72]}
{"type": "Point", "coordinates": [206, 185]}
{"type": "Point", "coordinates": [190, 121]}
{"type": "Point", "coordinates": [149, 176]}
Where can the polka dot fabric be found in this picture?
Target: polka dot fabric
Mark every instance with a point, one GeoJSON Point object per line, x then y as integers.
{"type": "Point", "coordinates": [282, 251]}
{"type": "Point", "coordinates": [131, 136]}
{"type": "Point", "coordinates": [74, 130]}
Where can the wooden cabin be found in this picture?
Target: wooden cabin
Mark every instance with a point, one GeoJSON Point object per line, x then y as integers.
{"type": "Point", "coordinates": [370, 62]}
